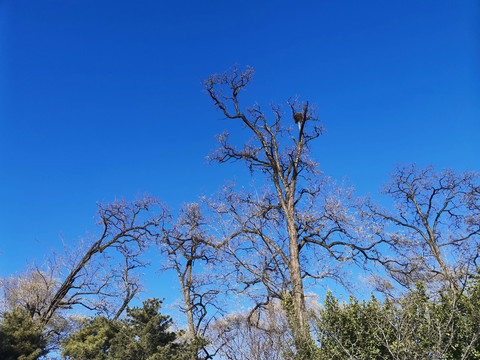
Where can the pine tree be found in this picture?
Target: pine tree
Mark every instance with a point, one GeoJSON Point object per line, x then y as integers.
{"type": "Point", "coordinates": [143, 335]}
{"type": "Point", "coordinates": [21, 337]}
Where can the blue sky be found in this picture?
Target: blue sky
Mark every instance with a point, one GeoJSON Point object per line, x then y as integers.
{"type": "Point", "coordinates": [103, 99]}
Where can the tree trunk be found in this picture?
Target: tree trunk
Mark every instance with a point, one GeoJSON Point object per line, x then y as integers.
{"type": "Point", "coordinates": [296, 278]}
{"type": "Point", "coordinates": [186, 284]}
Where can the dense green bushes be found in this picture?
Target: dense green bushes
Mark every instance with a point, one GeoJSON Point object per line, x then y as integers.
{"type": "Point", "coordinates": [417, 326]}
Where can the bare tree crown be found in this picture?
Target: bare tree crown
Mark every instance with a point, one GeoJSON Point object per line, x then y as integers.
{"type": "Point", "coordinates": [266, 151]}
{"type": "Point", "coordinates": [434, 226]}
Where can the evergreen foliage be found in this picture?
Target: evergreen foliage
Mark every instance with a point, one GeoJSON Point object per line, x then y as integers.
{"type": "Point", "coordinates": [418, 326]}
{"type": "Point", "coordinates": [21, 338]}
{"type": "Point", "coordinates": [143, 335]}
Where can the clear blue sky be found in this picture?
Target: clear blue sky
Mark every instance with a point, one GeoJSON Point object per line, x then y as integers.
{"type": "Point", "coordinates": [103, 99]}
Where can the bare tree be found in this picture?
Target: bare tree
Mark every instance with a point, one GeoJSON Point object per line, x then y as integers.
{"type": "Point", "coordinates": [30, 290]}
{"type": "Point", "coordinates": [295, 219]}
{"type": "Point", "coordinates": [95, 274]}
{"type": "Point", "coordinates": [434, 229]}
{"type": "Point", "coordinates": [190, 251]}
{"type": "Point", "coordinates": [128, 282]}
{"type": "Point", "coordinates": [263, 335]}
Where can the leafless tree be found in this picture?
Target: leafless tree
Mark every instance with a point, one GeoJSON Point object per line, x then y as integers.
{"type": "Point", "coordinates": [434, 229]}
{"type": "Point", "coordinates": [190, 250]}
{"type": "Point", "coordinates": [263, 335]}
{"type": "Point", "coordinates": [94, 274]}
{"type": "Point", "coordinates": [295, 221]}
